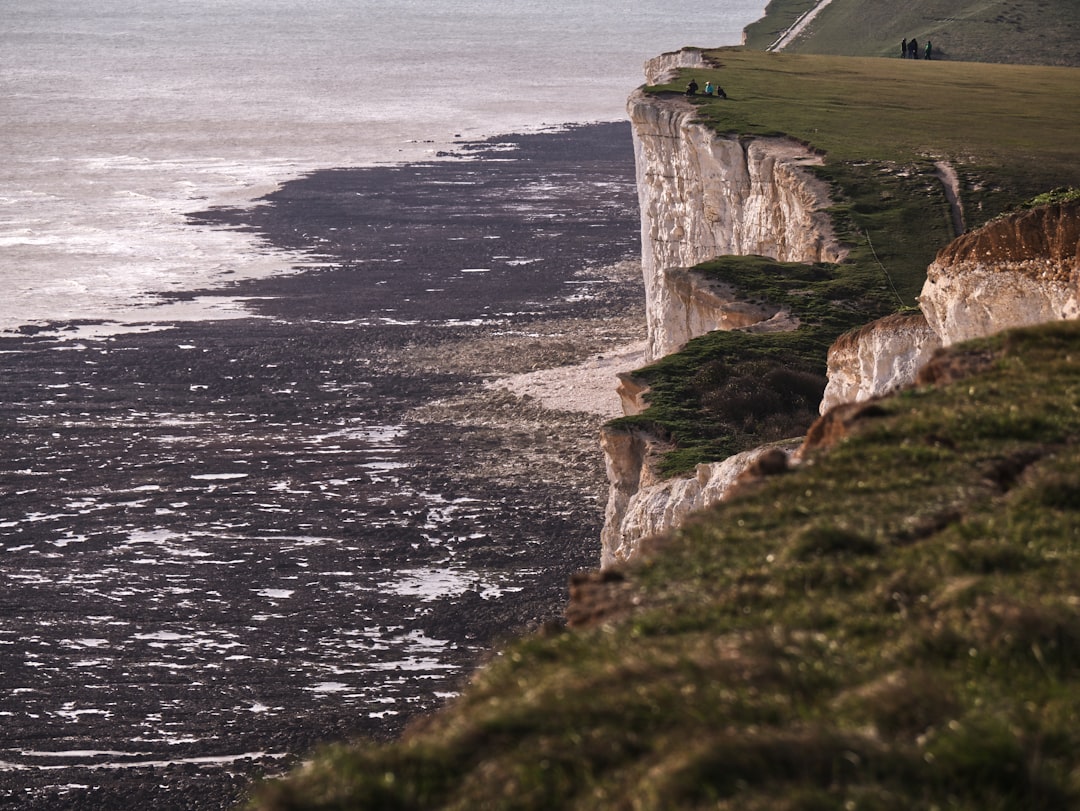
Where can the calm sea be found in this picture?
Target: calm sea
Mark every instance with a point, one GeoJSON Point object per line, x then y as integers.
{"type": "Point", "coordinates": [118, 116]}
{"type": "Point", "coordinates": [225, 541]}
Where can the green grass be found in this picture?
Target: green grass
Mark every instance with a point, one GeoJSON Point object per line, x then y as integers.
{"type": "Point", "coordinates": [714, 398]}
{"type": "Point", "coordinates": [995, 116]}
{"type": "Point", "coordinates": [894, 625]}
{"type": "Point", "coordinates": [1045, 32]}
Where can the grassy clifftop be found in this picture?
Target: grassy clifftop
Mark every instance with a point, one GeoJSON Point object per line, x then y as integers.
{"type": "Point", "coordinates": [1009, 132]}
{"type": "Point", "coordinates": [1031, 32]}
{"type": "Point", "coordinates": [894, 624]}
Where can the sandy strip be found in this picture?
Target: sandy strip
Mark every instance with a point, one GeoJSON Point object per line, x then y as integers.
{"type": "Point", "coordinates": [588, 386]}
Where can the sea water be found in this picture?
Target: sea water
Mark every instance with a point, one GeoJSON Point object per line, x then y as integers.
{"type": "Point", "coordinates": [194, 541]}
{"type": "Point", "coordinates": [119, 116]}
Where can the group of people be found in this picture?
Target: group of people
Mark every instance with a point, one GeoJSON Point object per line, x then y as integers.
{"type": "Point", "coordinates": [910, 50]}
{"type": "Point", "coordinates": [710, 89]}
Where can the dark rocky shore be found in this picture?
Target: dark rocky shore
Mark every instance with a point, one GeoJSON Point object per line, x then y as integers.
{"type": "Point", "coordinates": [223, 543]}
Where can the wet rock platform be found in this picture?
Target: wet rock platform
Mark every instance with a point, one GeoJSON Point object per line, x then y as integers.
{"type": "Point", "coordinates": [223, 543]}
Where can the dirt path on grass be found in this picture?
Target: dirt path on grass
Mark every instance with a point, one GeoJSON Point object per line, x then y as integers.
{"type": "Point", "coordinates": [797, 27]}
{"type": "Point", "coordinates": [951, 182]}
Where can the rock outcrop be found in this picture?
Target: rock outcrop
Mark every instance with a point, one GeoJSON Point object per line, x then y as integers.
{"type": "Point", "coordinates": [878, 358]}
{"type": "Point", "coordinates": [704, 195]}
{"type": "Point", "coordinates": [641, 505]}
{"type": "Point", "coordinates": [664, 68]}
{"type": "Point", "coordinates": [1017, 271]}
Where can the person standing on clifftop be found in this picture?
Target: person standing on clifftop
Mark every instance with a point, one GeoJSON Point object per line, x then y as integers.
{"type": "Point", "coordinates": [903, 49]}
{"type": "Point", "coordinates": [913, 48]}
{"type": "Point", "coordinates": [929, 48]}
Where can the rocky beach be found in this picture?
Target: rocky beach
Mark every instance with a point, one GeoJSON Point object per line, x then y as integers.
{"type": "Point", "coordinates": [226, 542]}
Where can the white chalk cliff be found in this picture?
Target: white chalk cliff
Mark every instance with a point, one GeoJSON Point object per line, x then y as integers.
{"type": "Point", "coordinates": [878, 358]}
{"type": "Point", "coordinates": [705, 195]}
{"type": "Point", "coordinates": [1017, 271]}
{"type": "Point", "coordinates": [702, 195]}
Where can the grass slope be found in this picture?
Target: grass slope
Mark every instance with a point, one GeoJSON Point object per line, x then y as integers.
{"type": "Point", "coordinates": [1036, 32]}
{"type": "Point", "coordinates": [894, 625]}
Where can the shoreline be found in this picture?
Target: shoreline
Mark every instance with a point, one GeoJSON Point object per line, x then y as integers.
{"type": "Point", "coordinates": [588, 386]}
{"type": "Point", "coordinates": [308, 525]}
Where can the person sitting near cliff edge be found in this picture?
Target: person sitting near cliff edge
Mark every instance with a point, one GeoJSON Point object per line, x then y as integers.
{"type": "Point", "coordinates": [720, 94]}
{"type": "Point", "coordinates": [691, 89]}
{"type": "Point", "coordinates": [708, 88]}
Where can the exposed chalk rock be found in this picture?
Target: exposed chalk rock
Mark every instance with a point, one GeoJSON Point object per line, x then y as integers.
{"type": "Point", "coordinates": [878, 358]}
{"type": "Point", "coordinates": [640, 505]}
{"type": "Point", "coordinates": [664, 68]}
{"type": "Point", "coordinates": [1020, 270]}
{"type": "Point", "coordinates": [704, 195]}
{"type": "Point", "coordinates": [631, 391]}
{"type": "Point", "coordinates": [693, 304]}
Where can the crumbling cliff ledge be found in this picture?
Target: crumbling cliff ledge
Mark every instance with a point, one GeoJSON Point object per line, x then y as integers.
{"type": "Point", "coordinates": [877, 359]}
{"type": "Point", "coordinates": [642, 505]}
{"type": "Point", "coordinates": [1019, 270]}
{"type": "Point", "coordinates": [705, 195]}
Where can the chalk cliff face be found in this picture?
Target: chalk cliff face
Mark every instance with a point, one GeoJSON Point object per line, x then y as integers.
{"type": "Point", "coordinates": [640, 505]}
{"type": "Point", "coordinates": [1017, 271]}
{"type": "Point", "coordinates": [878, 358]}
{"type": "Point", "coordinates": [662, 69]}
{"type": "Point", "coordinates": [704, 195]}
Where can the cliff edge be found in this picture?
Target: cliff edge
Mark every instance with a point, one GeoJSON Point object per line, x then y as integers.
{"type": "Point", "coordinates": [1018, 270]}
{"type": "Point", "coordinates": [704, 195]}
